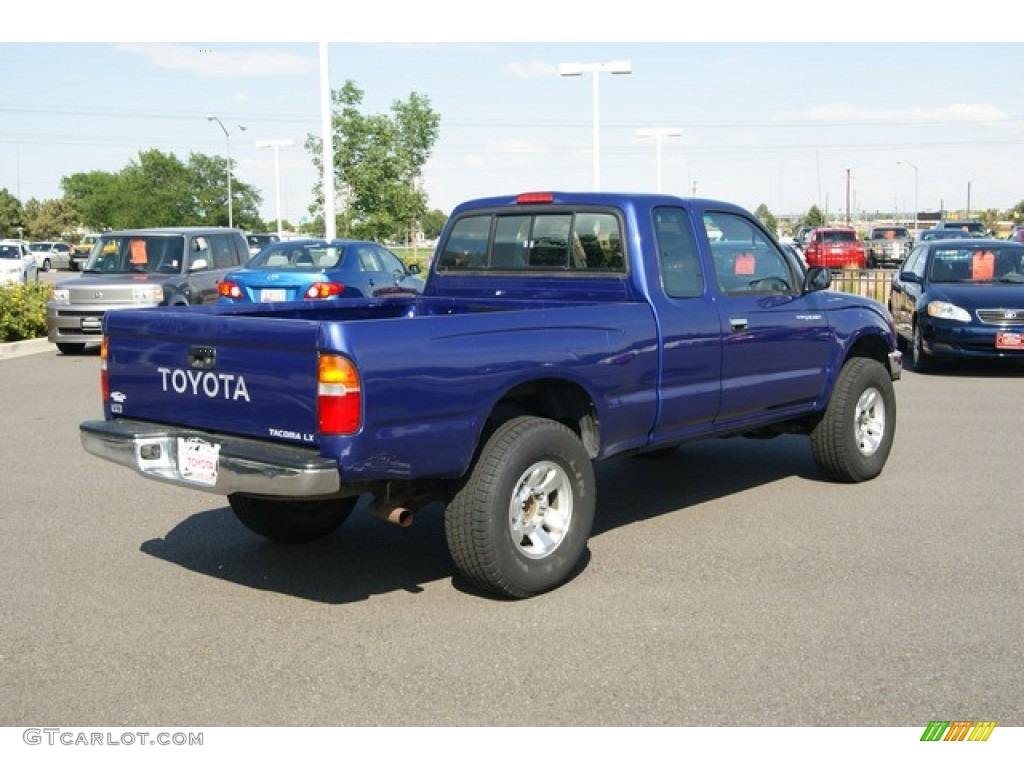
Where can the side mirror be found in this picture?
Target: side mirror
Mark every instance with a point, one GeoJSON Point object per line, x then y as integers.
{"type": "Point", "coordinates": [910, 277]}
{"type": "Point", "coordinates": [414, 269]}
{"type": "Point", "coordinates": [817, 279]}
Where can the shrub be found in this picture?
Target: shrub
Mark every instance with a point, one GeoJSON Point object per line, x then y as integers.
{"type": "Point", "coordinates": [23, 311]}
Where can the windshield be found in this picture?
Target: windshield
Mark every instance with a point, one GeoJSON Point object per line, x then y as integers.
{"type": "Point", "coordinates": [9, 251]}
{"type": "Point", "coordinates": [39, 246]}
{"type": "Point", "coordinates": [837, 236]}
{"type": "Point", "coordinates": [963, 264]}
{"type": "Point", "coordinates": [120, 254]}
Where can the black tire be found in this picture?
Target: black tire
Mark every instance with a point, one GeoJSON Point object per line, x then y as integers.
{"type": "Point", "coordinates": [46, 266]}
{"type": "Point", "coordinates": [520, 523]}
{"type": "Point", "coordinates": [291, 521]}
{"type": "Point", "coordinates": [852, 441]}
{"type": "Point", "coordinates": [70, 349]}
{"type": "Point", "coordinates": [923, 362]}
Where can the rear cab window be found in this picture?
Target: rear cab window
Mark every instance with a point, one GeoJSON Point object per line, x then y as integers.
{"type": "Point", "coordinates": [544, 241]}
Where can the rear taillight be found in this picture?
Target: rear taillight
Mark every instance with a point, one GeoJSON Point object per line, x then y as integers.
{"type": "Point", "coordinates": [324, 290]}
{"type": "Point", "coordinates": [104, 384]}
{"type": "Point", "coordinates": [339, 396]}
{"type": "Point", "coordinates": [229, 290]}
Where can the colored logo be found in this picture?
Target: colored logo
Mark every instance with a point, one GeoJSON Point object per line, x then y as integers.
{"type": "Point", "coordinates": [958, 730]}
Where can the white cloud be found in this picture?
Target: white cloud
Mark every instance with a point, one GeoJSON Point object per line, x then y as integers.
{"type": "Point", "coordinates": [531, 70]}
{"type": "Point", "coordinates": [204, 59]}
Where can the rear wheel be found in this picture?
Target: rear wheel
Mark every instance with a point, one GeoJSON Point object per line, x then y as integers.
{"type": "Point", "coordinates": [520, 524]}
{"type": "Point", "coordinates": [291, 521]}
{"type": "Point", "coordinates": [852, 441]}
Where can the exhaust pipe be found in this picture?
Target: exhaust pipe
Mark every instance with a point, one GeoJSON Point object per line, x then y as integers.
{"type": "Point", "coordinates": [396, 515]}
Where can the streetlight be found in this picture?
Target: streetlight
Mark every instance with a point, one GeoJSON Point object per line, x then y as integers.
{"type": "Point", "coordinates": [575, 69]}
{"type": "Point", "coordinates": [227, 136]}
{"type": "Point", "coordinates": [276, 145]}
{"type": "Point", "coordinates": [658, 134]}
{"type": "Point", "coordinates": [907, 162]}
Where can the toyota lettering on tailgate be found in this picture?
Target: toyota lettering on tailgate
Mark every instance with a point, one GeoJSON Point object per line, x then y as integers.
{"type": "Point", "coordinates": [216, 386]}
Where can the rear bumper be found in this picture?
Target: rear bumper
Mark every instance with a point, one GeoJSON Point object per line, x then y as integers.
{"type": "Point", "coordinates": [240, 465]}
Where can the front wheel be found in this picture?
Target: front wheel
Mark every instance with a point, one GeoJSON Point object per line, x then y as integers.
{"type": "Point", "coordinates": [520, 524]}
{"type": "Point", "coordinates": [291, 521]}
{"type": "Point", "coordinates": [923, 362]}
{"type": "Point", "coordinates": [852, 441]}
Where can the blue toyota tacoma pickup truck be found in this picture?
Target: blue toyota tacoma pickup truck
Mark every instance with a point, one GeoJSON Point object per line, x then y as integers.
{"type": "Point", "coordinates": [555, 330]}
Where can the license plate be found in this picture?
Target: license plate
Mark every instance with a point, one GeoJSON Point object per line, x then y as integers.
{"type": "Point", "coordinates": [91, 323]}
{"type": "Point", "coordinates": [272, 294]}
{"type": "Point", "coordinates": [198, 460]}
{"type": "Point", "coordinates": [1009, 340]}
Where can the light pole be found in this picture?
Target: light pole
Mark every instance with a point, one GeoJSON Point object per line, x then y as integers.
{"type": "Point", "coordinates": [276, 145]}
{"type": "Point", "coordinates": [658, 134]}
{"type": "Point", "coordinates": [227, 136]}
{"type": "Point", "coordinates": [575, 69]}
{"type": "Point", "coordinates": [907, 162]}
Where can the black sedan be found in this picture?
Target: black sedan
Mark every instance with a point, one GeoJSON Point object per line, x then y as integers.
{"type": "Point", "coordinates": [961, 299]}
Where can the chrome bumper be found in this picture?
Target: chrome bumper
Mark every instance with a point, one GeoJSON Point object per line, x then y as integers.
{"type": "Point", "coordinates": [242, 465]}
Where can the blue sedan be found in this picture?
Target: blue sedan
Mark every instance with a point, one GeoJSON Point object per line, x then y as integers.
{"type": "Point", "coordinates": [961, 299]}
{"type": "Point", "coordinates": [294, 270]}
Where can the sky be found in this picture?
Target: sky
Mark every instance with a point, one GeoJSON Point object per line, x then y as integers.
{"type": "Point", "coordinates": [887, 120]}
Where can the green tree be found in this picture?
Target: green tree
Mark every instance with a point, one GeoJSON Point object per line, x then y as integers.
{"type": "Point", "coordinates": [767, 218]}
{"type": "Point", "coordinates": [1016, 213]}
{"type": "Point", "coordinates": [378, 160]}
{"type": "Point", "coordinates": [10, 215]}
{"type": "Point", "coordinates": [49, 219]}
{"type": "Point", "coordinates": [158, 190]}
{"type": "Point", "coordinates": [432, 223]}
{"type": "Point", "coordinates": [814, 218]}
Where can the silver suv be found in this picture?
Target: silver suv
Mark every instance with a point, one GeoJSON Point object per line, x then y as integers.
{"type": "Point", "coordinates": [139, 268]}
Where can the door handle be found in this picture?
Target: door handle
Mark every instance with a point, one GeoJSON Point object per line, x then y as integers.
{"type": "Point", "coordinates": [738, 323]}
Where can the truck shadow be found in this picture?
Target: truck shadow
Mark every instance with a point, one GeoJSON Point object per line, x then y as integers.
{"type": "Point", "coordinates": [367, 557]}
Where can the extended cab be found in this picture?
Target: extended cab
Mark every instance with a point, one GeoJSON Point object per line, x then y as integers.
{"type": "Point", "coordinates": [555, 330]}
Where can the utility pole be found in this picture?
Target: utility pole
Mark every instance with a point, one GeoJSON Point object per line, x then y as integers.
{"type": "Point", "coordinates": [847, 197]}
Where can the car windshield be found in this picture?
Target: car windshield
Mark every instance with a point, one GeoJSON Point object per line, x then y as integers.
{"type": "Point", "coordinates": [10, 252]}
{"type": "Point", "coordinates": [300, 257]}
{"type": "Point", "coordinates": [39, 246]}
{"type": "Point", "coordinates": [952, 264]}
{"type": "Point", "coordinates": [889, 233]}
{"type": "Point", "coordinates": [120, 254]}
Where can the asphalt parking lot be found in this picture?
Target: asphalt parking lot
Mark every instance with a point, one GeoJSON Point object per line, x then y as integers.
{"type": "Point", "coordinates": [726, 585]}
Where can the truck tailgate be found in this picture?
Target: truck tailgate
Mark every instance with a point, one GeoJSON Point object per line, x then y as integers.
{"type": "Point", "coordinates": [231, 374]}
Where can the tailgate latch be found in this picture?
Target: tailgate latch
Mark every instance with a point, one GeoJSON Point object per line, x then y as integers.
{"type": "Point", "coordinates": [202, 358]}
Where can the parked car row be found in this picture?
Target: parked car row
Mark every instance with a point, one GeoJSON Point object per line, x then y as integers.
{"type": "Point", "coordinates": [201, 265]}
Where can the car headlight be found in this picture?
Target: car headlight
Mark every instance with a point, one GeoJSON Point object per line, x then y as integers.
{"type": "Point", "coordinates": [60, 295]}
{"type": "Point", "coordinates": [147, 294]}
{"type": "Point", "coordinates": [947, 311]}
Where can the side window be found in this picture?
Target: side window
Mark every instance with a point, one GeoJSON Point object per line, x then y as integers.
{"type": "Point", "coordinates": [677, 254]}
{"type": "Point", "coordinates": [223, 256]}
{"type": "Point", "coordinates": [199, 252]}
{"type": "Point", "coordinates": [389, 262]}
{"type": "Point", "coordinates": [915, 262]}
{"type": "Point", "coordinates": [466, 247]}
{"type": "Point", "coordinates": [745, 260]}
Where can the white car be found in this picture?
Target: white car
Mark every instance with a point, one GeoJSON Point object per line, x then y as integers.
{"type": "Point", "coordinates": [51, 254]}
{"type": "Point", "coordinates": [17, 264]}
